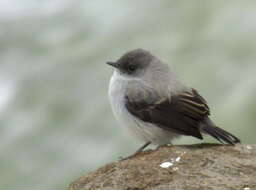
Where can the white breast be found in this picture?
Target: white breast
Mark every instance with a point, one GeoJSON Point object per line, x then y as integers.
{"type": "Point", "coordinates": [142, 130]}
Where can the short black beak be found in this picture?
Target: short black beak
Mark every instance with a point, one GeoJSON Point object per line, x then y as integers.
{"type": "Point", "coordinates": [113, 64]}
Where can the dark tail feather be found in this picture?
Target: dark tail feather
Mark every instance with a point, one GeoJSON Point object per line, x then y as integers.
{"type": "Point", "coordinates": [221, 135]}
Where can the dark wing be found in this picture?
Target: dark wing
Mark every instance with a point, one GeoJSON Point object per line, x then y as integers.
{"type": "Point", "coordinates": [182, 114]}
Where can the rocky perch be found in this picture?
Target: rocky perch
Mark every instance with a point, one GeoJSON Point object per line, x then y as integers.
{"type": "Point", "coordinates": [189, 167]}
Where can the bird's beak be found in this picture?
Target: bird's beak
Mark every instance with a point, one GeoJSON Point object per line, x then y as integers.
{"type": "Point", "coordinates": [113, 64]}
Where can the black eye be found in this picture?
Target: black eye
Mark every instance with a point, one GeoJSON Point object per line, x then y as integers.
{"type": "Point", "coordinates": [131, 68]}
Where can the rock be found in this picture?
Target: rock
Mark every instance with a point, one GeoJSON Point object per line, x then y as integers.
{"type": "Point", "coordinates": [189, 167]}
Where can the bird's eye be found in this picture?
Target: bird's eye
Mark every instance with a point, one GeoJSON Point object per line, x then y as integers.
{"type": "Point", "coordinates": [131, 68]}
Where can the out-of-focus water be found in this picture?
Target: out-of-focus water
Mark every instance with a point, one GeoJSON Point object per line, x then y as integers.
{"type": "Point", "coordinates": [55, 119]}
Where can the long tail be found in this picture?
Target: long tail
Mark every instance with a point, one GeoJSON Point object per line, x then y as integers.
{"type": "Point", "coordinates": [220, 134]}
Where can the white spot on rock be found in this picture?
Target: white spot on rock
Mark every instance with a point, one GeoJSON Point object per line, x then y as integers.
{"type": "Point", "coordinates": [249, 148]}
{"type": "Point", "coordinates": [177, 159]}
{"type": "Point", "coordinates": [166, 164]}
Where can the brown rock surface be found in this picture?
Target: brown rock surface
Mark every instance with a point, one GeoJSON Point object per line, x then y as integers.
{"type": "Point", "coordinates": [191, 167]}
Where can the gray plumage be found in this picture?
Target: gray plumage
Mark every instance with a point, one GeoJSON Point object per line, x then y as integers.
{"type": "Point", "coordinates": [147, 98]}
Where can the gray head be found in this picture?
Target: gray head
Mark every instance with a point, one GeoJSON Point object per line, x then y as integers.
{"type": "Point", "coordinates": [149, 69]}
{"type": "Point", "coordinates": [135, 63]}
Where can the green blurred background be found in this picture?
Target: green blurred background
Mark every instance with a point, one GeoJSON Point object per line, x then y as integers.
{"type": "Point", "coordinates": [56, 122]}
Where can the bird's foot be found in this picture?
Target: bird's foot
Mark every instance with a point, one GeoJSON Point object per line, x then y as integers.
{"type": "Point", "coordinates": [137, 152]}
{"type": "Point", "coordinates": [163, 145]}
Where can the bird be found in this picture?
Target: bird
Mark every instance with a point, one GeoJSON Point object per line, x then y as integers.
{"type": "Point", "coordinates": [150, 101]}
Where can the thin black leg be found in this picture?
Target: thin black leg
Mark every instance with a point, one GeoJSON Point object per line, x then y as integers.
{"type": "Point", "coordinates": [142, 147]}
{"type": "Point", "coordinates": [138, 151]}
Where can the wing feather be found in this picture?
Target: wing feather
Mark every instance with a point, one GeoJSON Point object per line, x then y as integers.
{"type": "Point", "coordinates": [182, 114]}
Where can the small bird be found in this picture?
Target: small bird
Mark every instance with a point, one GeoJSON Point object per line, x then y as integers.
{"type": "Point", "coordinates": [148, 99]}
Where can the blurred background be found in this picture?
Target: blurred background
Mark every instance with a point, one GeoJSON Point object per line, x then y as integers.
{"type": "Point", "coordinates": [55, 119]}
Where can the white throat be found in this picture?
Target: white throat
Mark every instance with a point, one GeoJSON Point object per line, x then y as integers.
{"type": "Point", "coordinates": [143, 131]}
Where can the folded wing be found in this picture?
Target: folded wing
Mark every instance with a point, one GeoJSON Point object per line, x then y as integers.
{"type": "Point", "coordinates": [181, 113]}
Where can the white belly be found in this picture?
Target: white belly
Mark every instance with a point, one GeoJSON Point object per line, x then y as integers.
{"type": "Point", "coordinates": [141, 130]}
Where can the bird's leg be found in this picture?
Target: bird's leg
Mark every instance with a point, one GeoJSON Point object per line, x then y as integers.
{"type": "Point", "coordinates": [137, 151]}
{"type": "Point", "coordinates": [142, 147]}
{"type": "Point", "coordinates": [162, 145]}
